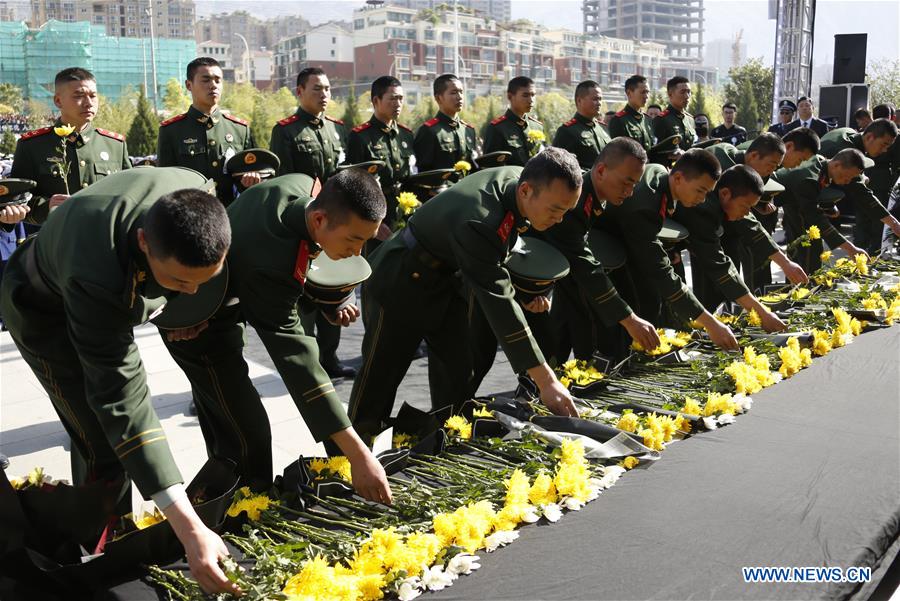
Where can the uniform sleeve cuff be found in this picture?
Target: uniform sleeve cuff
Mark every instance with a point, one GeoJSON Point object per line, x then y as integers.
{"type": "Point", "coordinates": [169, 496]}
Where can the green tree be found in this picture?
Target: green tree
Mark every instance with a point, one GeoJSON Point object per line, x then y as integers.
{"type": "Point", "coordinates": [37, 113]}
{"type": "Point", "coordinates": [176, 99]}
{"type": "Point", "coordinates": [422, 112]}
{"type": "Point", "coordinates": [553, 109]}
{"type": "Point", "coordinates": [352, 116]}
{"type": "Point", "coordinates": [260, 123]}
{"type": "Point", "coordinates": [117, 116]}
{"type": "Point", "coordinates": [7, 142]}
{"type": "Point", "coordinates": [658, 97]}
{"type": "Point", "coordinates": [11, 95]}
{"type": "Point", "coordinates": [238, 99]}
{"type": "Point", "coordinates": [751, 88]}
{"type": "Point", "coordinates": [884, 82]}
{"type": "Point", "coordinates": [144, 130]}
{"type": "Point", "coordinates": [698, 100]}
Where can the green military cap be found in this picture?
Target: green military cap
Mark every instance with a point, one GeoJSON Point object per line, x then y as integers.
{"type": "Point", "coordinates": [868, 162]}
{"type": "Point", "coordinates": [435, 178]}
{"type": "Point", "coordinates": [707, 143]}
{"type": "Point", "coordinates": [606, 249]}
{"type": "Point", "coordinates": [372, 167]}
{"type": "Point", "coordinates": [672, 232]}
{"type": "Point", "coordinates": [189, 310]}
{"type": "Point", "coordinates": [493, 159]}
{"type": "Point", "coordinates": [667, 146]}
{"type": "Point", "coordinates": [331, 283]}
{"type": "Point", "coordinates": [534, 266]}
{"type": "Point", "coordinates": [771, 189]}
{"type": "Point", "coordinates": [14, 191]}
{"type": "Point", "coordinates": [253, 159]}
{"type": "Point", "coordinates": [744, 145]}
{"type": "Point", "coordinates": [828, 197]}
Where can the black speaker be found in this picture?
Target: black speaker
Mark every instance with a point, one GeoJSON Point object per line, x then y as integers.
{"type": "Point", "coordinates": [838, 103]}
{"type": "Point", "coordinates": [849, 58]}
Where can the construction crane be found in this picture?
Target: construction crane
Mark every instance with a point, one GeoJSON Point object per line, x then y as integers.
{"type": "Point", "coordinates": [736, 48]}
{"type": "Point", "coordinates": [793, 49]}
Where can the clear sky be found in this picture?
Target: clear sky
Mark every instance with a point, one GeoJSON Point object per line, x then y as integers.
{"type": "Point", "coordinates": [879, 18]}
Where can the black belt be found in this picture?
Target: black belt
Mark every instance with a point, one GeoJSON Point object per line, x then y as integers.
{"type": "Point", "coordinates": [423, 256]}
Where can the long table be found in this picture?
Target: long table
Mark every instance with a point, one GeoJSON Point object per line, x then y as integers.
{"type": "Point", "coordinates": [810, 477]}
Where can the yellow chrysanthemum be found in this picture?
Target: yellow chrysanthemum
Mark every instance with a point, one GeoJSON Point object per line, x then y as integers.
{"type": "Point", "coordinates": [861, 264]}
{"type": "Point", "coordinates": [401, 441]}
{"type": "Point", "coordinates": [821, 342]}
{"type": "Point", "coordinates": [813, 232]}
{"type": "Point", "coordinates": [628, 422]}
{"type": "Point", "coordinates": [753, 318]}
{"type": "Point", "coordinates": [580, 372]}
{"type": "Point", "coordinates": [149, 519]}
{"type": "Point", "coordinates": [629, 462]}
{"type": "Point", "coordinates": [250, 503]}
{"type": "Point", "coordinates": [543, 491]}
{"type": "Point", "coordinates": [408, 202]}
{"type": "Point", "coordinates": [536, 135]}
{"type": "Point", "coordinates": [825, 256]}
{"type": "Point", "coordinates": [719, 404]}
{"type": "Point", "coordinates": [460, 426]}
{"type": "Point", "coordinates": [462, 166]}
{"type": "Point", "coordinates": [691, 407]}
{"type": "Point", "coordinates": [482, 412]}
{"type": "Point", "coordinates": [64, 131]}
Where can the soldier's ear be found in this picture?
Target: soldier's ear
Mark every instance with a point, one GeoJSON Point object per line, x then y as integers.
{"type": "Point", "coordinates": [142, 241]}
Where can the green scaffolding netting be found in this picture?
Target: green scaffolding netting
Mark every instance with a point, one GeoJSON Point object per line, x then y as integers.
{"type": "Point", "coordinates": [30, 58]}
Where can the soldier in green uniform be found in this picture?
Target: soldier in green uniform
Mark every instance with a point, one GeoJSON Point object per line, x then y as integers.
{"type": "Point", "coordinates": [91, 153]}
{"type": "Point", "coordinates": [587, 296]}
{"type": "Point", "coordinates": [414, 292]}
{"type": "Point", "coordinates": [511, 131]}
{"type": "Point", "coordinates": [869, 198]}
{"type": "Point", "coordinates": [631, 120]}
{"type": "Point", "coordinates": [675, 120]}
{"type": "Point", "coordinates": [582, 135]}
{"type": "Point", "coordinates": [803, 185]}
{"type": "Point", "coordinates": [277, 231]}
{"type": "Point", "coordinates": [383, 138]}
{"type": "Point", "coordinates": [739, 188]}
{"type": "Point", "coordinates": [885, 174]}
{"type": "Point", "coordinates": [312, 143]}
{"type": "Point", "coordinates": [766, 153]}
{"type": "Point", "coordinates": [205, 137]}
{"type": "Point", "coordinates": [445, 139]}
{"type": "Point", "coordinates": [309, 141]}
{"type": "Point", "coordinates": [637, 222]}
{"type": "Point", "coordinates": [71, 297]}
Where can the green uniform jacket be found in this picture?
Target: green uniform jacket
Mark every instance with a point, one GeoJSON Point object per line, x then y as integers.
{"type": "Point", "coordinates": [802, 185]}
{"type": "Point", "coordinates": [441, 142]}
{"type": "Point", "coordinates": [637, 222]}
{"type": "Point", "coordinates": [204, 143]}
{"type": "Point", "coordinates": [585, 271]}
{"type": "Point", "coordinates": [270, 254]}
{"type": "Point", "coordinates": [671, 122]}
{"type": "Point", "coordinates": [87, 253]}
{"type": "Point", "coordinates": [584, 138]}
{"type": "Point", "coordinates": [509, 132]}
{"type": "Point", "coordinates": [92, 154]}
{"type": "Point", "coordinates": [374, 140]}
{"type": "Point", "coordinates": [862, 194]}
{"type": "Point", "coordinates": [471, 228]}
{"type": "Point", "coordinates": [632, 124]}
{"type": "Point", "coordinates": [309, 144]}
{"type": "Point", "coordinates": [707, 223]}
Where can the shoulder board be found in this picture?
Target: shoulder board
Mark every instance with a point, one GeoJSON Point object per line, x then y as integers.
{"type": "Point", "coordinates": [499, 119]}
{"type": "Point", "coordinates": [530, 118]}
{"type": "Point", "coordinates": [288, 120]}
{"type": "Point", "coordinates": [36, 132]}
{"type": "Point", "coordinates": [664, 113]}
{"type": "Point", "coordinates": [469, 125]}
{"type": "Point", "coordinates": [237, 120]}
{"type": "Point", "coordinates": [173, 119]}
{"type": "Point", "coordinates": [621, 113]}
{"type": "Point", "coordinates": [334, 120]}
{"type": "Point", "coordinates": [687, 114]}
{"type": "Point", "coordinates": [401, 126]}
{"type": "Point", "coordinates": [110, 134]}
{"type": "Point", "coordinates": [432, 122]}
{"type": "Point", "coordinates": [571, 121]}
{"type": "Point", "coordinates": [362, 127]}
{"type": "Point", "coordinates": [506, 226]}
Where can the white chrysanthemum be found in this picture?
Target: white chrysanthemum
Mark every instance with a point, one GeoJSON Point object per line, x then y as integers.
{"type": "Point", "coordinates": [463, 564]}
{"type": "Point", "coordinates": [499, 539]}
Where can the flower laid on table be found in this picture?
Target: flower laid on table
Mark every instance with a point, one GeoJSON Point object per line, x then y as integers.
{"type": "Point", "coordinates": [459, 426]}
{"type": "Point", "coordinates": [793, 358]}
{"type": "Point", "coordinates": [753, 318]}
{"type": "Point", "coordinates": [402, 441]}
{"type": "Point", "coordinates": [874, 302]}
{"type": "Point", "coordinates": [246, 501]}
{"type": "Point", "coordinates": [861, 264]}
{"type": "Point", "coordinates": [821, 342]}
{"type": "Point", "coordinates": [536, 139]}
{"type": "Point", "coordinates": [462, 167]}
{"type": "Point", "coordinates": [482, 412]}
{"type": "Point", "coordinates": [669, 340]}
{"type": "Point", "coordinates": [629, 462]}
{"type": "Point", "coordinates": [148, 519]}
{"type": "Point", "coordinates": [825, 256]}
{"type": "Point", "coordinates": [333, 467]}
{"type": "Point", "coordinates": [62, 163]}
{"type": "Point", "coordinates": [579, 372]}
{"type": "Point", "coordinates": [752, 374]}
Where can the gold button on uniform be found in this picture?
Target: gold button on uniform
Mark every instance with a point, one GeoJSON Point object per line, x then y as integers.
{"type": "Point", "coordinates": [82, 163]}
{"type": "Point", "coordinates": [415, 275]}
{"type": "Point", "coordinates": [212, 142]}
{"type": "Point", "coordinates": [215, 163]}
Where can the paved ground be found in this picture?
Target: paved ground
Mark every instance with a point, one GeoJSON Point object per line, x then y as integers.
{"type": "Point", "coordinates": [31, 434]}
